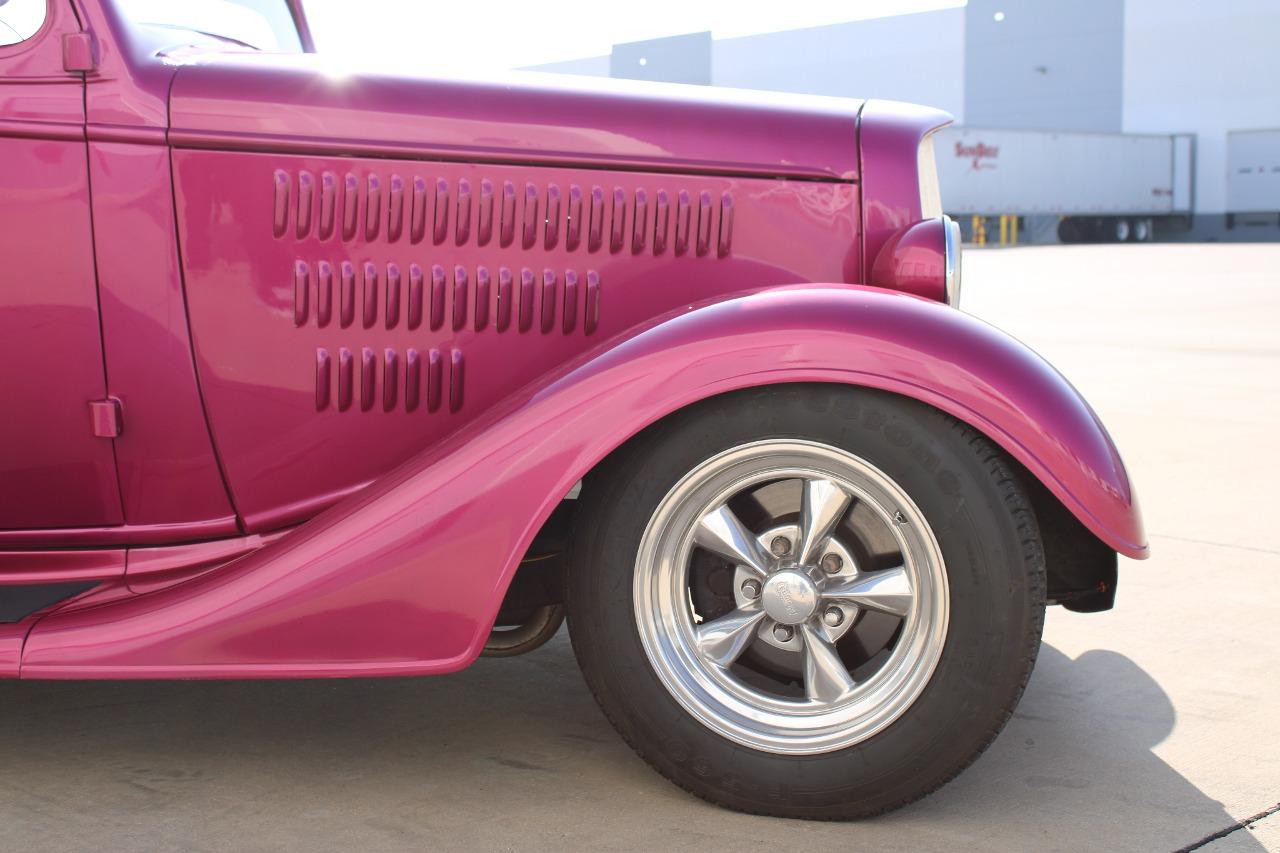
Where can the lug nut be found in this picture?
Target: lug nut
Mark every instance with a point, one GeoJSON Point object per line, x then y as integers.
{"type": "Point", "coordinates": [833, 616]}
{"type": "Point", "coordinates": [783, 633]}
{"type": "Point", "coordinates": [780, 546]}
{"type": "Point", "coordinates": [832, 563]}
{"type": "Point", "coordinates": [751, 588]}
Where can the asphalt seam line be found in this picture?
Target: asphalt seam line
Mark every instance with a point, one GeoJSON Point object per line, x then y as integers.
{"type": "Point", "coordinates": [1235, 827]}
{"type": "Point", "coordinates": [1215, 544]}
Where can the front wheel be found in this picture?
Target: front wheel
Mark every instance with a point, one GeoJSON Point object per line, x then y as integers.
{"type": "Point", "coordinates": [808, 601]}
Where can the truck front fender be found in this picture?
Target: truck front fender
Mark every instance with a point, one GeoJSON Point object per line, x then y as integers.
{"type": "Point", "coordinates": [407, 576]}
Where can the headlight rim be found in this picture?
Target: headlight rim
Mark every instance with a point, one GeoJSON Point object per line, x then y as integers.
{"type": "Point", "coordinates": [951, 261]}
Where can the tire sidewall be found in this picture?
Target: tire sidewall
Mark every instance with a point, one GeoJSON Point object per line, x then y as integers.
{"type": "Point", "coordinates": [963, 488]}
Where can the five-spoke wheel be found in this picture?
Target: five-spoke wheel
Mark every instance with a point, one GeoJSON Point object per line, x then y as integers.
{"type": "Point", "coordinates": [784, 661]}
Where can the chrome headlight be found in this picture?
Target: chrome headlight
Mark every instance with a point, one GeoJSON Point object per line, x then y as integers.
{"type": "Point", "coordinates": [951, 260]}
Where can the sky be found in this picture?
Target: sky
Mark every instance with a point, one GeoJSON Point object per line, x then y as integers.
{"type": "Point", "coordinates": [490, 35]}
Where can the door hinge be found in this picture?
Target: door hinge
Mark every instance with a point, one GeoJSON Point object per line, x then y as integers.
{"type": "Point", "coordinates": [107, 416]}
{"type": "Point", "coordinates": [79, 53]}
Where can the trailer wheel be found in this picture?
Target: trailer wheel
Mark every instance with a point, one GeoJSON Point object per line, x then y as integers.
{"type": "Point", "coordinates": [807, 601]}
{"type": "Point", "coordinates": [1142, 231]}
{"type": "Point", "coordinates": [1122, 230]}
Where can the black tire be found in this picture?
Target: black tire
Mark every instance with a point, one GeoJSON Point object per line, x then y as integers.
{"type": "Point", "coordinates": [983, 522]}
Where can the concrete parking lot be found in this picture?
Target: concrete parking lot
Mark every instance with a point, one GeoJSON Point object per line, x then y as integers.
{"type": "Point", "coordinates": [1150, 727]}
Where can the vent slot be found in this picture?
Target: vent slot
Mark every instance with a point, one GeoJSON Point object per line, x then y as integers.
{"type": "Point", "coordinates": [623, 218]}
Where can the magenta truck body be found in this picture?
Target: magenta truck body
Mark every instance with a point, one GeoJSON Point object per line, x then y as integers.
{"type": "Point", "coordinates": [298, 361]}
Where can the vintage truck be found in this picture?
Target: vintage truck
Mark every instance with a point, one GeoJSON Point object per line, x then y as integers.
{"type": "Point", "coordinates": [309, 372]}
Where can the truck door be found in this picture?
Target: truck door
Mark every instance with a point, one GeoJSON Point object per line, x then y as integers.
{"type": "Point", "coordinates": [54, 470]}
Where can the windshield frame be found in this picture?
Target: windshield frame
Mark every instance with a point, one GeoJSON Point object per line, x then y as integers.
{"type": "Point", "coordinates": [304, 29]}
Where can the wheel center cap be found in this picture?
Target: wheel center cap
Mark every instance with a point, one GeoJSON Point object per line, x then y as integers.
{"type": "Point", "coordinates": [789, 597]}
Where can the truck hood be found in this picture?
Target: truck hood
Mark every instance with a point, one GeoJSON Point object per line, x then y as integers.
{"type": "Point", "coordinates": [306, 104]}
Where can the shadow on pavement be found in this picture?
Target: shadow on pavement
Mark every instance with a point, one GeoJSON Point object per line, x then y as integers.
{"type": "Point", "coordinates": [514, 754]}
{"type": "Point", "coordinates": [1075, 767]}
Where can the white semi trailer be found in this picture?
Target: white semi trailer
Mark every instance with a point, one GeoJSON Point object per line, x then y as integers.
{"type": "Point", "coordinates": [1077, 187]}
{"type": "Point", "coordinates": [1253, 178]}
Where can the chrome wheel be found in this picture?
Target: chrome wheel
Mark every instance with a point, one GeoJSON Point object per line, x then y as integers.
{"type": "Point", "coordinates": [791, 596]}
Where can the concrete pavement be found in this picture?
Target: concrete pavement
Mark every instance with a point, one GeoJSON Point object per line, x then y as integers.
{"type": "Point", "coordinates": [1146, 728]}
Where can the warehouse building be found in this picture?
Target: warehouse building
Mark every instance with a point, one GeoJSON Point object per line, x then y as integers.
{"type": "Point", "coordinates": [1075, 119]}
